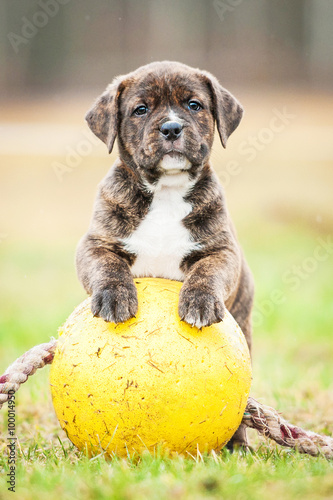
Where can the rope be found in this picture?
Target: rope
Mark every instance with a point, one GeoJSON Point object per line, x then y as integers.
{"type": "Point", "coordinates": [19, 371]}
{"type": "Point", "coordinates": [269, 423]}
{"type": "Point", "coordinates": [264, 419]}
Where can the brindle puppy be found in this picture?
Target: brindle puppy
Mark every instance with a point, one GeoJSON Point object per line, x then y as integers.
{"type": "Point", "coordinates": [161, 211]}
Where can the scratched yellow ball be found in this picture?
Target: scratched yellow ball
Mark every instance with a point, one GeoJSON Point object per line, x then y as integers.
{"type": "Point", "coordinates": [151, 383]}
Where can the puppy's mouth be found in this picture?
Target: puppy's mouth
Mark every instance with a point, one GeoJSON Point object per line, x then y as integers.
{"type": "Point", "coordinates": [174, 162]}
{"type": "Point", "coordinates": [175, 154]}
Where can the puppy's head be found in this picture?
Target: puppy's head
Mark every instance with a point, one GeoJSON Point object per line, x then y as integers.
{"type": "Point", "coordinates": [163, 115]}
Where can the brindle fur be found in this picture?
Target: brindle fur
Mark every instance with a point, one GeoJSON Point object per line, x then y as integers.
{"type": "Point", "coordinates": [216, 276]}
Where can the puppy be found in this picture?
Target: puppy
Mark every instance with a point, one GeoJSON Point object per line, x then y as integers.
{"type": "Point", "coordinates": [161, 211]}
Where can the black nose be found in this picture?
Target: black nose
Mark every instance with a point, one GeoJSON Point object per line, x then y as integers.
{"type": "Point", "coordinates": [171, 130]}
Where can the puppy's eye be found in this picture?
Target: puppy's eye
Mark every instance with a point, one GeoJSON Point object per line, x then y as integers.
{"type": "Point", "coordinates": [194, 105]}
{"type": "Point", "coordinates": [140, 110]}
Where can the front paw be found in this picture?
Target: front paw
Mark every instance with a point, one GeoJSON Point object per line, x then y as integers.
{"type": "Point", "coordinates": [200, 308]}
{"type": "Point", "coordinates": [116, 304]}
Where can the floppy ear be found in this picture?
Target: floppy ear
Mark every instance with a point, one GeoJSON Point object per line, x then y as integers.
{"type": "Point", "coordinates": [227, 110]}
{"type": "Point", "coordinates": [102, 117]}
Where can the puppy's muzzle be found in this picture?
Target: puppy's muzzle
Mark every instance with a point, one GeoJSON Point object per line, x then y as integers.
{"type": "Point", "coordinates": [171, 130]}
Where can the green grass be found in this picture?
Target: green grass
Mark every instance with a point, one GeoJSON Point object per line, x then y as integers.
{"type": "Point", "coordinates": [58, 471]}
{"type": "Point", "coordinates": [292, 369]}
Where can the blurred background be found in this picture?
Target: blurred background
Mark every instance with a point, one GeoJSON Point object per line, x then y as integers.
{"type": "Point", "coordinates": [57, 56]}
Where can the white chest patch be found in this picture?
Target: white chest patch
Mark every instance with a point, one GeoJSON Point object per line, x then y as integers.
{"type": "Point", "coordinates": [161, 240]}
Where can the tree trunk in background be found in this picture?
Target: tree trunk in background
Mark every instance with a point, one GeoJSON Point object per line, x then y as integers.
{"type": "Point", "coordinates": [319, 41]}
{"type": "Point", "coordinates": [86, 43]}
{"type": "Point", "coordinates": [36, 45]}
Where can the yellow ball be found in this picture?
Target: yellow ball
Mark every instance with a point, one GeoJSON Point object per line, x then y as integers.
{"type": "Point", "coordinates": [152, 382]}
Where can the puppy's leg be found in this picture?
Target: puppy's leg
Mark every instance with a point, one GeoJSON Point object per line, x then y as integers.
{"type": "Point", "coordinates": [240, 306]}
{"type": "Point", "coordinates": [209, 283]}
{"type": "Point", "coordinates": [107, 277]}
